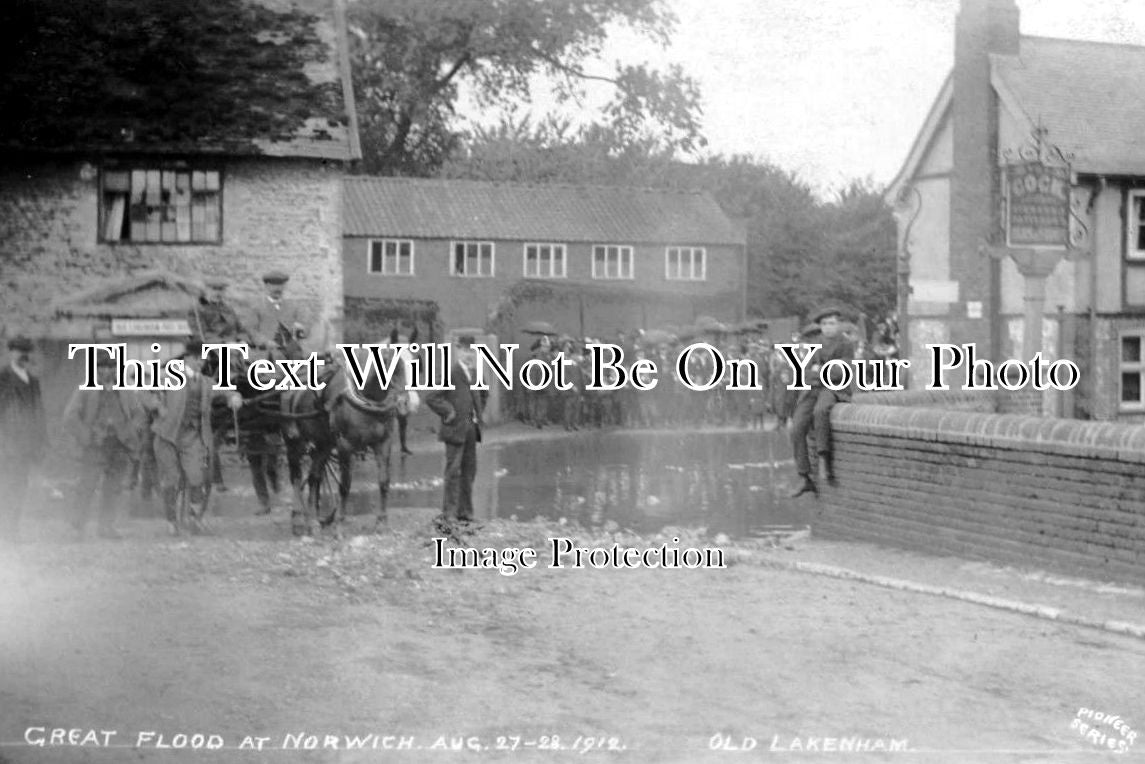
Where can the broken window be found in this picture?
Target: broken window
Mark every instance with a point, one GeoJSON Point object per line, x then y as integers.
{"type": "Point", "coordinates": [161, 205]}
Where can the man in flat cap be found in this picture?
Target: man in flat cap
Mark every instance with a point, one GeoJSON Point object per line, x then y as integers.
{"type": "Point", "coordinates": [276, 321]}
{"type": "Point", "coordinates": [23, 433]}
{"type": "Point", "coordinates": [812, 414]}
{"type": "Point", "coordinates": [460, 410]}
{"type": "Point", "coordinates": [214, 318]}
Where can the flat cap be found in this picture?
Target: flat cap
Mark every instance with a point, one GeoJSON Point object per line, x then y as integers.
{"type": "Point", "coordinates": [275, 277]}
{"type": "Point", "coordinates": [21, 344]}
{"type": "Point", "coordinates": [830, 310]}
{"type": "Point", "coordinates": [465, 340]}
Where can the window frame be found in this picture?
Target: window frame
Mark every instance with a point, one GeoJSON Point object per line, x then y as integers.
{"type": "Point", "coordinates": [553, 247]}
{"type": "Point", "coordinates": [691, 251]}
{"type": "Point", "coordinates": [1133, 225]}
{"type": "Point", "coordinates": [1131, 367]}
{"type": "Point", "coordinates": [621, 249]}
{"type": "Point", "coordinates": [477, 243]}
{"type": "Point", "coordinates": [114, 166]}
{"type": "Point", "coordinates": [382, 243]}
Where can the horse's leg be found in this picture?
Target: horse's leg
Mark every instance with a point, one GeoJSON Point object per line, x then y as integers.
{"type": "Point", "coordinates": [345, 478]}
{"type": "Point", "coordinates": [299, 523]}
{"type": "Point", "coordinates": [382, 452]}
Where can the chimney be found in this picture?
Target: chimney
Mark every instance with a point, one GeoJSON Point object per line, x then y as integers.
{"type": "Point", "coordinates": [983, 27]}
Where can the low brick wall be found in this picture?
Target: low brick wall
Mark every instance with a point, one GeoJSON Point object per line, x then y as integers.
{"type": "Point", "coordinates": [1057, 493]}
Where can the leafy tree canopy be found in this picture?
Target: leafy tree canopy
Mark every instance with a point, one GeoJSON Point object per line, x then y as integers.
{"type": "Point", "coordinates": [145, 72]}
{"type": "Point", "coordinates": [410, 56]}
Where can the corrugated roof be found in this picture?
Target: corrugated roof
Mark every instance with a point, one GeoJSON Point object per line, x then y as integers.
{"type": "Point", "coordinates": [304, 108]}
{"type": "Point", "coordinates": [1089, 95]}
{"type": "Point", "coordinates": [443, 209]}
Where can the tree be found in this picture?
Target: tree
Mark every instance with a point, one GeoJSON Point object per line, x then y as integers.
{"type": "Point", "coordinates": [858, 267]}
{"type": "Point", "coordinates": [169, 73]}
{"type": "Point", "coordinates": [410, 57]}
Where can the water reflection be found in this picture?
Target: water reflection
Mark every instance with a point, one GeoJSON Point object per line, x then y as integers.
{"type": "Point", "coordinates": [728, 481]}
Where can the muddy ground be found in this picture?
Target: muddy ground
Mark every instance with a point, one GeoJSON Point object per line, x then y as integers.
{"type": "Point", "coordinates": [248, 633]}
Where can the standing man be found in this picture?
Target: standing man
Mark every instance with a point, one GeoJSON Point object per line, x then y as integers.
{"type": "Point", "coordinates": [23, 433]}
{"type": "Point", "coordinates": [183, 441]}
{"type": "Point", "coordinates": [813, 409]}
{"type": "Point", "coordinates": [277, 321]}
{"type": "Point", "coordinates": [460, 410]}
{"type": "Point", "coordinates": [215, 319]}
{"type": "Point", "coordinates": [107, 427]}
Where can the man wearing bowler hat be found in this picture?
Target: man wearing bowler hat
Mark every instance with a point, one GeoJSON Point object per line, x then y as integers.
{"type": "Point", "coordinates": [812, 414]}
{"type": "Point", "coordinates": [277, 321]}
{"type": "Point", "coordinates": [23, 433]}
{"type": "Point", "coordinates": [460, 410]}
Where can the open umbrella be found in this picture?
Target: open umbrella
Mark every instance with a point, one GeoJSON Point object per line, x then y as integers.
{"type": "Point", "coordinates": [539, 327]}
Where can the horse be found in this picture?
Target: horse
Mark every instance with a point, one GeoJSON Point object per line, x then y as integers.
{"type": "Point", "coordinates": [365, 419]}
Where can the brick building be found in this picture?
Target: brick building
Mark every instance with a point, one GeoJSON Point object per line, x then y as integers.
{"type": "Point", "coordinates": [589, 259]}
{"type": "Point", "coordinates": [116, 207]}
{"type": "Point", "coordinates": [1082, 97]}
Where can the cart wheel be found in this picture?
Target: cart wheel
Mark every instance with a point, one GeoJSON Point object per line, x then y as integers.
{"type": "Point", "coordinates": [328, 490]}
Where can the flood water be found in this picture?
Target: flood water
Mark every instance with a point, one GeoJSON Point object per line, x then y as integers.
{"type": "Point", "coordinates": [729, 481]}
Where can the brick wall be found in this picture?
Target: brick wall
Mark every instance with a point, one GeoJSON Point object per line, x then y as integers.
{"type": "Point", "coordinates": [284, 214]}
{"type": "Point", "coordinates": [1056, 493]}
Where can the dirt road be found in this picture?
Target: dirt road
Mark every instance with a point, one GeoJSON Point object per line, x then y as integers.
{"type": "Point", "coordinates": [250, 635]}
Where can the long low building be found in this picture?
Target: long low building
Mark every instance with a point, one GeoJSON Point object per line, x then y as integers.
{"type": "Point", "coordinates": [591, 260]}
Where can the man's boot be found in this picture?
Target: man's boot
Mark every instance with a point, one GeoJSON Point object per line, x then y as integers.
{"type": "Point", "coordinates": [807, 486]}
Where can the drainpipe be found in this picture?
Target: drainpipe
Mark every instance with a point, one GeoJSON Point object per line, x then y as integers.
{"type": "Point", "coordinates": [1094, 358]}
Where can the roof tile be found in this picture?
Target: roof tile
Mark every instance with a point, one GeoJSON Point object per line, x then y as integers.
{"type": "Point", "coordinates": [444, 209]}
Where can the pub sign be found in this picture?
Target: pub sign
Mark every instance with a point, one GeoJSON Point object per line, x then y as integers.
{"type": "Point", "coordinates": [1036, 192]}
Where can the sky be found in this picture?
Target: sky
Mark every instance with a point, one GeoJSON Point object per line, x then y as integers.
{"type": "Point", "coordinates": [837, 89]}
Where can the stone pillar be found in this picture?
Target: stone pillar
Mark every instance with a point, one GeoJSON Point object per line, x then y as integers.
{"type": "Point", "coordinates": [1035, 265]}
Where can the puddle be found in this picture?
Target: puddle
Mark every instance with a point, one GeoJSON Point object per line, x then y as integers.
{"type": "Point", "coordinates": [729, 482]}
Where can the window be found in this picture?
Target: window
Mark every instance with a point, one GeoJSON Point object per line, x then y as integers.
{"type": "Point", "coordinates": [1135, 249]}
{"type": "Point", "coordinates": [685, 264]}
{"type": "Point", "coordinates": [391, 257]}
{"type": "Point", "coordinates": [160, 205]}
{"type": "Point", "coordinates": [611, 262]}
{"type": "Point", "coordinates": [544, 261]}
{"type": "Point", "coordinates": [1132, 370]}
{"type": "Point", "coordinates": [472, 258]}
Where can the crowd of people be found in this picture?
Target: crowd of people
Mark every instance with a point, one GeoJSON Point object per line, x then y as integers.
{"type": "Point", "coordinates": [672, 404]}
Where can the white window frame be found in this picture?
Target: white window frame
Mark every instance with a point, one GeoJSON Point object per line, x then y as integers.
{"type": "Point", "coordinates": [553, 271]}
{"type": "Point", "coordinates": [1134, 223]}
{"type": "Point", "coordinates": [453, 270]}
{"type": "Point", "coordinates": [622, 250]}
{"type": "Point", "coordinates": [691, 274]}
{"type": "Point", "coordinates": [160, 204]}
{"type": "Point", "coordinates": [1131, 367]}
{"type": "Point", "coordinates": [382, 244]}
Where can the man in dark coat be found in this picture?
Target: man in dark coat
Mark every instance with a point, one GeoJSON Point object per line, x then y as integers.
{"type": "Point", "coordinates": [275, 320]}
{"type": "Point", "coordinates": [460, 410]}
{"type": "Point", "coordinates": [813, 409]}
{"type": "Point", "coordinates": [183, 440]}
{"type": "Point", "coordinates": [23, 433]}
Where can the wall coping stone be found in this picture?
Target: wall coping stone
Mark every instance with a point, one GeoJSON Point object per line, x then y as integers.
{"type": "Point", "coordinates": [1071, 437]}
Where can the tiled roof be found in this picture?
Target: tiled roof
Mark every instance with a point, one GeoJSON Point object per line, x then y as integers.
{"type": "Point", "coordinates": [442, 209]}
{"type": "Point", "coordinates": [1089, 95]}
{"type": "Point", "coordinates": [281, 101]}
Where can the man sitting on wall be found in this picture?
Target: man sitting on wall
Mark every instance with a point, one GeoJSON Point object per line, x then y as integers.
{"type": "Point", "coordinates": [813, 408]}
